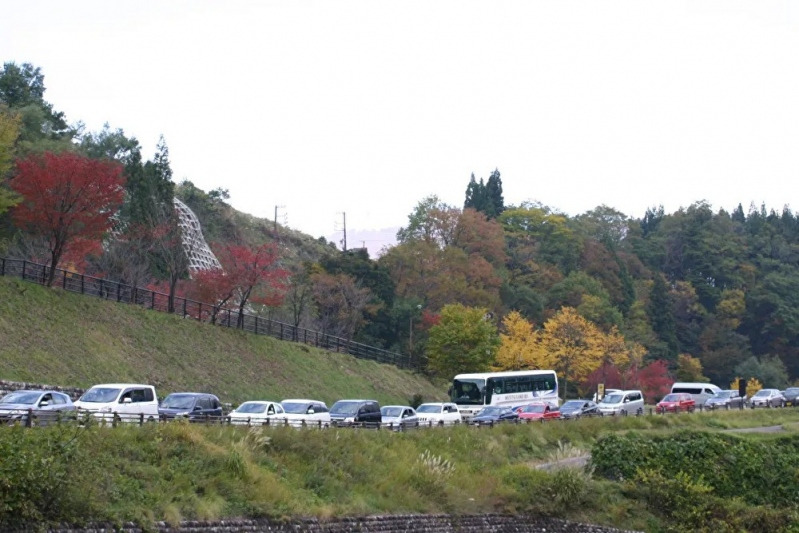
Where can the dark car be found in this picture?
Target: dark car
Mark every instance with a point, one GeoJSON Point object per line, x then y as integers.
{"type": "Point", "coordinates": [579, 408]}
{"type": "Point", "coordinates": [356, 412]}
{"type": "Point", "coordinates": [192, 405]}
{"type": "Point", "coordinates": [725, 399]}
{"type": "Point", "coordinates": [791, 395]}
{"type": "Point", "coordinates": [494, 414]}
{"type": "Point", "coordinates": [44, 405]}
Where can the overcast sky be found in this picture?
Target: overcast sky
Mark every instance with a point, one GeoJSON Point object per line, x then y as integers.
{"type": "Point", "coordinates": [365, 108]}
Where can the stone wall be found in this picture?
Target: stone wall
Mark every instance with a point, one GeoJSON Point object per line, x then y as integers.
{"type": "Point", "coordinates": [491, 523]}
{"type": "Point", "coordinates": [9, 386]}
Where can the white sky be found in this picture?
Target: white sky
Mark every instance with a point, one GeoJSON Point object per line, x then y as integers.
{"type": "Point", "coordinates": [367, 107]}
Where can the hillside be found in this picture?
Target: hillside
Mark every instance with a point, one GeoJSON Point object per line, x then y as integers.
{"type": "Point", "coordinates": [49, 336]}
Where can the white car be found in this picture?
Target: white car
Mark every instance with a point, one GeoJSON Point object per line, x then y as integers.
{"type": "Point", "coordinates": [438, 414]}
{"type": "Point", "coordinates": [311, 413]}
{"type": "Point", "coordinates": [129, 402]}
{"type": "Point", "coordinates": [257, 413]}
{"type": "Point", "coordinates": [399, 417]}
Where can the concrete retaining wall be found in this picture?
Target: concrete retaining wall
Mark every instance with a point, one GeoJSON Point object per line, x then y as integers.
{"type": "Point", "coordinates": [9, 386]}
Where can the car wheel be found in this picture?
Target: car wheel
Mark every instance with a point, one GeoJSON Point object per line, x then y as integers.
{"type": "Point", "coordinates": [623, 412]}
{"type": "Point", "coordinates": [640, 411]}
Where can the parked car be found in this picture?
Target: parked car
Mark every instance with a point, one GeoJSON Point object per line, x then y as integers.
{"type": "Point", "coordinates": [675, 403]}
{"type": "Point", "coordinates": [441, 414]}
{"type": "Point", "coordinates": [579, 408]}
{"type": "Point", "coordinates": [494, 414]}
{"type": "Point", "coordinates": [43, 404]}
{"type": "Point", "coordinates": [190, 405]}
{"type": "Point", "coordinates": [537, 411]}
{"type": "Point", "coordinates": [791, 395]}
{"type": "Point", "coordinates": [626, 402]}
{"type": "Point", "coordinates": [700, 392]}
{"type": "Point", "coordinates": [306, 413]}
{"type": "Point", "coordinates": [767, 398]}
{"type": "Point", "coordinates": [399, 417]}
{"type": "Point", "coordinates": [258, 412]}
{"type": "Point", "coordinates": [725, 399]}
{"type": "Point", "coordinates": [129, 402]}
{"type": "Point", "coordinates": [362, 412]}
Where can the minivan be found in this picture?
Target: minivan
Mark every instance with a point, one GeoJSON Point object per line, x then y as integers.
{"type": "Point", "coordinates": [700, 392]}
{"type": "Point", "coordinates": [120, 401]}
{"type": "Point", "coordinates": [625, 402]}
{"type": "Point", "coordinates": [191, 405]}
{"type": "Point", "coordinates": [362, 412]}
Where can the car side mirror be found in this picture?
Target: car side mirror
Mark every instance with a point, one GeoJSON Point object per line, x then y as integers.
{"type": "Point", "coordinates": [127, 400]}
{"type": "Point", "coordinates": [198, 408]}
{"type": "Point", "coordinates": [311, 411]}
{"type": "Point", "coordinates": [44, 403]}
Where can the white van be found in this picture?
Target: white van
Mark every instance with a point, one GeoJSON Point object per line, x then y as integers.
{"type": "Point", "coordinates": [120, 401]}
{"type": "Point", "coordinates": [700, 392]}
{"type": "Point", "coordinates": [625, 402]}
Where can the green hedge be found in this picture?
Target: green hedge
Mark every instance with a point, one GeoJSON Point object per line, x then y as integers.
{"type": "Point", "coordinates": [757, 471]}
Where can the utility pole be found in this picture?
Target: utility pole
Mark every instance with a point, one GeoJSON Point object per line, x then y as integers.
{"type": "Point", "coordinates": [344, 219]}
{"type": "Point", "coordinates": [275, 225]}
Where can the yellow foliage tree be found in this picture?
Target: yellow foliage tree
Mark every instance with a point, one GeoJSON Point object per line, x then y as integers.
{"type": "Point", "coordinates": [734, 383]}
{"type": "Point", "coordinates": [571, 345]}
{"type": "Point", "coordinates": [689, 368]}
{"type": "Point", "coordinates": [752, 386]}
{"type": "Point", "coordinates": [518, 350]}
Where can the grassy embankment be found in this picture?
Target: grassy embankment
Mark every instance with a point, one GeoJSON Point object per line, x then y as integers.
{"type": "Point", "coordinates": [186, 471]}
{"type": "Point", "coordinates": [58, 338]}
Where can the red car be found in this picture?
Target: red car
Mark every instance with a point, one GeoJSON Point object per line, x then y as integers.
{"type": "Point", "coordinates": [676, 402]}
{"type": "Point", "coordinates": [537, 411]}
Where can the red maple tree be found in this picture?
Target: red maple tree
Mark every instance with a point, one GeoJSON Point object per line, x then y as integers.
{"type": "Point", "coordinates": [247, 275]}
{"type": "Point", "coordinates": [68, 200]}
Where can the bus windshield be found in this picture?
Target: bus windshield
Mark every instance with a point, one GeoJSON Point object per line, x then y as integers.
{"type": "Point", "coordinates": [467, 391]}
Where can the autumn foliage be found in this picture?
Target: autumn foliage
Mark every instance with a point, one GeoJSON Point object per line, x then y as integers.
{"type": "Point", "coordinates": [247, 276]}
{"type": "Point", "coordinates": [68, 200]}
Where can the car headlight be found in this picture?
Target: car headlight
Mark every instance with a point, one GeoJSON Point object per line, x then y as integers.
{"type": "Point", "coordinates": [349, 420]}
{"type": "Point", "coordinates": [104, 410]}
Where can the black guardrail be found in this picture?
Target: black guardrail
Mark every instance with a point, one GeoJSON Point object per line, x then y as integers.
{"type": "Point", "coordinates": [158, 301]}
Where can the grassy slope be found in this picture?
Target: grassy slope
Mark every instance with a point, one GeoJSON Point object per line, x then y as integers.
{"type": "Point", "coordinates": [59, 338]}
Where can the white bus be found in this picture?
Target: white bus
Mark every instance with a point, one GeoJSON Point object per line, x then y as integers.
{"type": "Point", "coordinates": [472, 392]}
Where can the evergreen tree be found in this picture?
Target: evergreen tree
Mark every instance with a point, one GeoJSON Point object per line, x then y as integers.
{"type": "Point", "coordinates": [475, 195]}
{"type": "Point", "coordinates": [661, 315]}
{"type": "Point", "coordinates": [495, 203]}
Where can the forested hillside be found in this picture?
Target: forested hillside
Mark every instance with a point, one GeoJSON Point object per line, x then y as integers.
{"type": "Point", "coordinates": [703, 293]}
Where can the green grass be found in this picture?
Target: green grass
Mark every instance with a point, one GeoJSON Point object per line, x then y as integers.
{"type": "Point", "coordinates": [184, 471]}
{"type": "Point", "coordinates": [53, 337]}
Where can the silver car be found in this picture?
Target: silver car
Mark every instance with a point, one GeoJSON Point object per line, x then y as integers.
{"type": "Point", "coordinates": [767, 398]}
{"type": "Point", "coordinates": [43, 405]}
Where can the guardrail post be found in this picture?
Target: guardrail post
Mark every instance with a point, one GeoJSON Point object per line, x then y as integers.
{"type": "Point", "coordinates": [29, 420]}
{"type": "Point", "coordinates": [113, 420]}
{"type": "Point", "coordinates": [82, 284]}
{"type": "Point", "coordinates": [256, 325]}
{"type": "Point", "coordinates": [2, 266]}
{"type": "Point", "coordinates": [23, 268]}
{"type": "Point", "coordinates": [64, 280]}
{"type": "Point", "coordinates": [141, 419]}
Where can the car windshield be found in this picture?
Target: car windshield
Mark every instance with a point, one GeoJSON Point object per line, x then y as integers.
{"type": "Point", "coordinates": [100, 395]}
{"type": "Point", "coordinates": [671, 398]}
{"type": "Point", "coordinates": [251, 407]}
{"type": "Point", "coordinates": [611, 398]}
{"type": "Point", "coordinates": [345, 408]}
{"type": "Point", "coordinates": [792, 390]}
{"type": "Point", "coordinates": [490, 411]}
{"type": "Point", "coordinates": [571, 404]}
{"type": "Point", "coordinates": [534, 408]}
{"type": "Point", "coordinates": [724, 394]}
{"type": "Point", "coordinates": [295, 408]}
{"type": "Point", "coordinates": [25, 397]}
{"type": "Point", "coordinates": [763, 392]}
{"type": "Point", "coordinates": [429, 408]}
{"type": "Point", "coordinates": [391, 411]}
{"type": "Point", "coordinates": [178, 401]}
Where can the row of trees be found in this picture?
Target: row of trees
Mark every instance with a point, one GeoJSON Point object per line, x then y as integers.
{"type": "Point", "coordinates": [696, 294]}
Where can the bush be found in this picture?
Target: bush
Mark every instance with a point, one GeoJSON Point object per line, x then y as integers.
{"type": "Point", "coordinates": [40, 473]}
